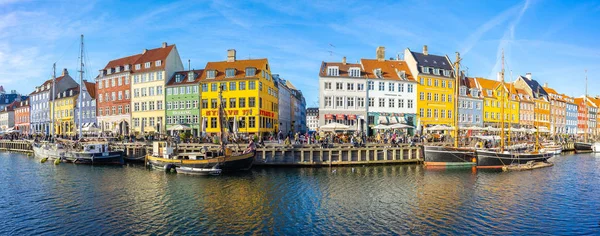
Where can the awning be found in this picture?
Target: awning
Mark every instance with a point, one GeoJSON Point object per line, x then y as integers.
{"type": "Point", "coordinates": [328, 116]}
{"type": "Point", "coordinates": [383, 120]}
{"type": "Point", "coordinates": [351, 117]}
{"type": "Point", "coordinates": [392, 120]}
{"type": "Point", "coordinates": [340, 117]}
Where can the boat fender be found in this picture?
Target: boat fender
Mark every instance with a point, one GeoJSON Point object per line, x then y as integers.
{"type": "Point", "coordinates": [170, 168]}
{"type": "Point", "coordinates": [57, 161]}
{"type": "Point", "coordinates": [44, 160]}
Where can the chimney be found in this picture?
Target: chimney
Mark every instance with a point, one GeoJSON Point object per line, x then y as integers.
{"type": "Point", "coordinates": [65, 72]}
{"type": "Point", "coordinates": [344, 60]}
{"type": "Point", "coordinates": [164, 44]}
{"type": "Point", "coordinates": [528, 76]}
{"type": "Point", "coordinates": [425, 52]}
{"type": "Point", "coordinates": [381, 53]}
{"type": "Point", "coordinates": [231, 55]}
{"type": "Point", "coordinates": [144, 52]}
{"type": "Point", "coordinates": [546, 85]}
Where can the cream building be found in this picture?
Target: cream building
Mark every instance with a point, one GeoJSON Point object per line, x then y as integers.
{"type": "Point", "coordinates": [149, 76]}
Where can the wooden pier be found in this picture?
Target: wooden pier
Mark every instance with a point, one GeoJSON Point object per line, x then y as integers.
{"type": "Point", "coordinates": [16, 146]}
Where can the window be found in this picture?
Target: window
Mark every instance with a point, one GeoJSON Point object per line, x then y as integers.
{"type": "Point", "coordinates": [252, 85]}
{"type": "Point", "coordinates": [169, 106]}
{"type": "Point", "coordinates": [204, 103]}
{"type": "Point", "coordinates": [443, 113]}
{"type": "Point", "coordinates": [136, 106]}
{"type": "Point", "coordinates": [449, 99]}
{"type": "Point", "coordinates": [189, 89]}
{"type": "Point", "coordinates": [242, 102]}
{"type": "Point", "coordinates": [332, 71]}
{"type": "Point", "coordinates": [435, 113]}
{"type": "Point", "coordinates": [232, 103]}
{"type": "Point", "coordinates": [421, 96]}
{"type": "Point", "coordinates": [449, 114]}
{"type": "Point", "coordinates": [360, 87]}
{"type": "Point", "coordinates": [391, 102]}
{"type": "Point", "coordinates": [381, 86]}
{"type": "Point", "coordinates": [428, 96]}
{"type": "Point", "coordinates": [211, 74]}
{"type": "Point", "coordinates": [339, 86]}
{"type": "Point", "coordinates": [160, 75]}
{"type": "Point", "coordinates": [147, 65]}
{"type": "Point", "coordinates": [339, 102]}
{"type": "Point", "coordinates": [181, 105]}
{"type": "Point", "coordinates": [391, 87]}
{"type": "Point", "coordinates": [350, 102]}
{"type": "Point", "coordinates": [213, 103]}
{"type": "Point", "coordinates": [127, 95]}
{"type": "Point", "coordinates": [213, 87]}
{"type": "Point", "coordinates": [371, 102]}
{"type": "Point", "coordinates": [360, 102]}
{"type": "Point", "coordinates": [436, 83]}
{"type": "Point", "coordinates": [204, 87]}
{"type": "Point", "coordinates": [120, 95]}
{"type": "Point", "coordinates": [381, 102]}
{"type": "Point", "coordinates": [158, 63]}
{"type": "Point", "coordinates": [449, 86]}
{"type": "Point", "coordinates": [213, 122]}
{"type": "Point", "coordinates": [421, 112]}
{"type": "Point", "coordinates": [250, 71]}
{"type": "Point", "coordinates": [182, 90]}
{"type": "Point", "coordinates": [251, 102]}
{"type": "Point", "coordinates": [252, 122]}
{"type": "Point", "coordinates": [409, 89]}
{"type": "Point", "coordinates": [436, 97]}
{"type": "Point", "coordinates": [229, 73]}
{"type": "Point", "coordinates": [100, 97]}
{"type": "Point", "coordinates": [443, 97]}
{"type": "Point", "coordinates": [242, 85]}
{"type": "Point", "coordinates": [127, 108]}
{"type": "Point", "coordinates": [113, 96]}
{"type": "Point", "coordinates": [151, 91]}
{"type": "Point", "coordinates": [428, 112]}
{"type": "Point", "coordinates": [400, 103]}
{"type": "Point", "coordinates": [350, 86]}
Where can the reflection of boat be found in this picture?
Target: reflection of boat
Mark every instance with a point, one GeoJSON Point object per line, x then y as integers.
{"type": "Point", "coordinates": [450, 156]}
{"type": "Point", "coordinates": [581, 147]}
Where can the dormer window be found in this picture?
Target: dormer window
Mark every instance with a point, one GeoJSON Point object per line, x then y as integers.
{"type": "Point", "coordinates": [377, 73]}
{"type": "Point", "coordinates": [446, 73]}
{"type": "Point", "coordinates": [250, 71]}
{"type": "Point", "coordinates": [463, 91]}
{"type": "Point", "coordinates": [425, 70]}
{"type": "Point", "coordinates": [147, 65]}
{"type": "Point", "coordinates": [126, 67]}
{"type": "Point", "coordinates": [354, 72]}
{"type": "Point", "coordinates": [191, 76]}
{"type": "Point", "coordinates": [333, 71]}
{"type": "Point", "coordinates": [178, 78]}
{"type": "Point", "coordinates": [117, 69]}
{"type": "Point", "coordinates": [229, 73]}
{"type": "Point", "coordinates": [108, 71]}
{"type": "Point", "coordinates": [402, 75]}
{"type": "Point", "coordinates": [138, 66]}
{"type": "Point", "coordinates": [158, 63]}
{"type": "Point", "coordinates": [436, 71]}
{"type": "Point", "coordinates": [489, 92]}
{"type": "Point", "coordinates": [47, 86]}
{"type": "Point", "coordinates": [211, 74]}
{"type": "Point", "coordinates": [70, 93]}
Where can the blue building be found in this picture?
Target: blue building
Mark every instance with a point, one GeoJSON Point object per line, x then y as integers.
{"type": "Point", "coordinates": [88, 105]}
{"type": "Point", "coordinates": [7, 98]}
{"type": "Point", "coordinates": [470, 104]}
{"type": "Point", "coordinates": [40, 101]}
{"type": "Point", "coordinates": [571, 115]}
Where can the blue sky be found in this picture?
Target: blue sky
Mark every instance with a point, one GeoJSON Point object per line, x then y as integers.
{"type": "Point", "coordinates": [554, 40]}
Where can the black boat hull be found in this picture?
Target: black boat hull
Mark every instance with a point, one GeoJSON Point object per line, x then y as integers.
{"type": "Point", "coordinates": [487, 159]}
{"type": "Point", "coordinates": [108, 158]}
{"type": "Point", "coordinates": [583, 147]}
{"type": "Point", "coordinates": [228, 165]}
{"type": "Point", "coordinates": [448, 156]}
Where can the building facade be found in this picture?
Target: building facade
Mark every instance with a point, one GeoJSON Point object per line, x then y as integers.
{"type": "Point", "coordinates": [392, 95]}
{"type": "Point", "coordinates": [558, 111]}
{"type": "Point", "coordinates": [540, 100]}
{"type": "Point", "coordinates": [342, 94]}
{"type": "Point", "coordinates": [87, 105]}
{"type": "Point", "coordinates": [285, 105]}
{"type": "Point", "coordinates": [113, 89]}
{"type": "Point", "coordinates": [41, 98]}
{"type": "Point", "coordinates": [435, 77]}
{"type": "Point", "coordinates": [22, 117]}
{"type": "Point", "coordinates": [298, 110]}
{"type": "Point", "coordinates": [249, 95]}
{"type": "Point", "coordinates": [8, 98]}
{"type": "Point", "coordinates": [7, 116]}
{"type": "Point", "coordinates": [526, 109]}
{"type": "Point", "coordinates": [183, 99]}
{"type": "Point", "coordinates": [470, 103]}
{"type": "Point", "coordinates": [64, 112]}
{"type": "Point", "coordinates": [149, 76]}
{"type": "Point", "coordinates": [312, 118]}
{"type": "Point", "coordinates": [570, 115]}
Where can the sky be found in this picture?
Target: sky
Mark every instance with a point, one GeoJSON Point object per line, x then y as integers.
{"type": "Point", "coordinates": [556, 41]}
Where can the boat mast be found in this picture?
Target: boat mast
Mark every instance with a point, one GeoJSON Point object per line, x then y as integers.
{"type": "Point", "coordinates": [586, 110]}
{"type": "Point", "coordinates": [510, 109]}
{"type": "Point", "coordinates": [502, 106]}
{"type": "Point", "coordinates": [457, 77]}
{"type": "Point", "coordinates": [53, 97]}
{"type": "Point", "coordinates": [220, 118]}
{"type": "Point", "coordinates": [537, 128]}
{"type": "Point", "coordinates": [80, 85]}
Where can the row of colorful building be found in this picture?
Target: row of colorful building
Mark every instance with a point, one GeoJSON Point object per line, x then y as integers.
{"type": "Point", "coordinates": [418, 90]}
{"type": "Point", "coordinates": [151, 92]}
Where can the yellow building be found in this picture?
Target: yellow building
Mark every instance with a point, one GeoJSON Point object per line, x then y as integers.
{"type": "Point", "coordinates": [492, 91]}
{"type": "Point", "coordinates": [150, 73]}
{"type": "Point", "coordinates": [435, 87]}
{"type": "Point", "coordinates": [250, 96]}
{"type": "Point", "coordinates": [64, 109]}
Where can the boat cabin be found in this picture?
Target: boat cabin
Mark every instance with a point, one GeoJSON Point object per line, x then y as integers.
{"type": "Point", "coordinates": [95, 147]}
{"type": "Point", "coordinates": [162, 149]}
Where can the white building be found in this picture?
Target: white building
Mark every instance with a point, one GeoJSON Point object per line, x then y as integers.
{"type": "Point", "coordinates": [312, 118]}
{"type": "Point", "coordinates": [7, 116]}
{"type": "Point", "coordinates": [285, 102]}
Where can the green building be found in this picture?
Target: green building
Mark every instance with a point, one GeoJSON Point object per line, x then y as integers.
{"type": "Point", "coordinates": [182, 103]}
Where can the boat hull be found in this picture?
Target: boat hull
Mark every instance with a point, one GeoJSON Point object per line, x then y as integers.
{"type": "Point", "coordinates": [583, 147]}
{"type": "Point", "coordinates": [488, 159]}
{"type": "Point", "coordinates": [106, 158]}
{"type": "Point", "coordinates": [448, 156]}
{"type": "Point", "coordinates": [43, 151]}
{"type": "Point", "coordinates": [226, 164]}
{"type": "Point", "coordinates": [596, 147]}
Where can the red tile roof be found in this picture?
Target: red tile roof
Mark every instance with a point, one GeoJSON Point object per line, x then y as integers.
{"type": "Point", "coordinates": [130, 60]}
{"type": "Point", "coordinates": [47, 82]}
{"type": "Point", "coordinates": [152, 56]}
{"type": "Point", "coordinates": [239, 66]}
{"type": "Point", "coordinates": [390, 69]}
{"type": "Point", "coordinates": [91, 88]}
{"type": "Point", "coordinates": [343, 69]}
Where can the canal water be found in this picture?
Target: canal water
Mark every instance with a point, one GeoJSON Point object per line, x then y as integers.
{"type": "Point", "coordinates": [87, 200]}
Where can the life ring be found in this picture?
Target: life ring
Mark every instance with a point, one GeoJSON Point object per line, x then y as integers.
{"type": "Point", "coordinates": [170, 168]}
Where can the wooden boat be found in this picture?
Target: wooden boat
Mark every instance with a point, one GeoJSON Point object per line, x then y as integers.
{"type": "Point", "coordinates": [581, 147]}
{"type": "Point", "coordinates": [551, 147]}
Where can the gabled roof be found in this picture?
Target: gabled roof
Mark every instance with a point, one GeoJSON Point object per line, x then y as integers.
{"type": "Point", "coordinates": [594, 100]}
{"type": "Point", "coordinates": [535, 86]}
{"type": "Point", "coordinates": [68, 93]}
{"type": "Point", "coordinates": [11, 106]}
{"type": "Point", "coordinates": [91, 88]}
{"type": "Point", "coordinates": [342, 67]}
{"type": "Point", "coordinates": [487, 84]}
{"type": "Point", "coordinates": [524, 95]}
{"type": "Point", "coordinates": [153, 55]}
{"type": "Point", "coordinates": [184, 76]}
{"type": "Point", "coordinates": [46, 83]}
{"type": "Point", "coordinates": [390, 69]}
{"type": "Point", "coordinates": [130, 60]}
{"type": "Point", "coordinates": [239, 66]}
{"type": "Point", "coordinates": [434, 61]}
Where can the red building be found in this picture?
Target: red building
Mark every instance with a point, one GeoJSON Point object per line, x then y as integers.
{"type": "Point", "coordinates": [22, 116]}
{"type": "Point", "coordinates": [113, 98]}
